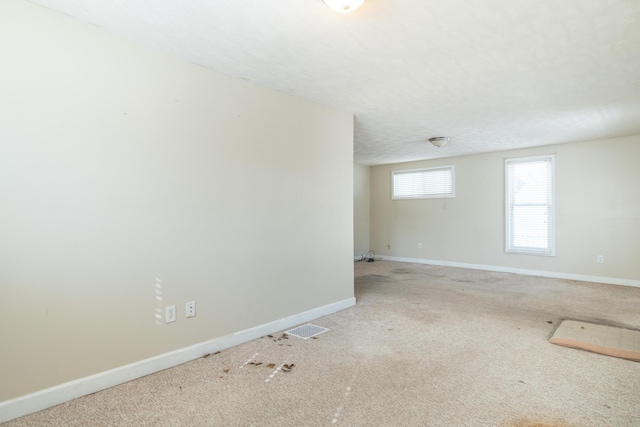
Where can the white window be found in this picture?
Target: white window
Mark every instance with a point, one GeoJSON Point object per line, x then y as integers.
{"type": "Point", "coordinates": [423, 183]}
{"type": "Point", "coordinates": [530, 205]}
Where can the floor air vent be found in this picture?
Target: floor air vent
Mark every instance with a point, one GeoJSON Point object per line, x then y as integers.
{"type": "Point", "coordinates": [307, 331]}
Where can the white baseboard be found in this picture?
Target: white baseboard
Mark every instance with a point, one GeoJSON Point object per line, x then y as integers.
{"type": "Point", "coordinates": [553, 274]}
{"type": "Point", "coordinates": [28, 404]}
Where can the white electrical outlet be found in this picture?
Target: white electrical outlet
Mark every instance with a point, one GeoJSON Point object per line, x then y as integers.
{"type": "Point", "coordinates": [190, 309]}
{"type": "Point", "coordinates": [170, 313]}
{"type": "Point", "coordinates": [419, 245]}
{"type": "Point", "coordinates": [600, 258]}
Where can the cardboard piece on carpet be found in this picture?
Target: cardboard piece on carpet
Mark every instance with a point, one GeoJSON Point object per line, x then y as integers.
{"type": "Point", "coordinates": [603, 339]}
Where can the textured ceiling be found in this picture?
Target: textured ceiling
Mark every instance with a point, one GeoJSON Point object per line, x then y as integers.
{"type": "Point", "coordinates": [490, 74]}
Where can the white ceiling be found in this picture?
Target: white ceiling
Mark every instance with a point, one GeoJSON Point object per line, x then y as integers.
{"type": "Point", "coordinates": [490, 74]}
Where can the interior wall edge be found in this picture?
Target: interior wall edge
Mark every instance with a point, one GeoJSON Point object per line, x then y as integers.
{"type": "Point", "coordinates": [526, 272]}
{"type": "Point", "coordinates": [43, 399]}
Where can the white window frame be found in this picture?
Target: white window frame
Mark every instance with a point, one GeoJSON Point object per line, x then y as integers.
{"type": "Point", "coordinates": [450, 194]}
{"type": "Point", "coordinates": [510, 246]}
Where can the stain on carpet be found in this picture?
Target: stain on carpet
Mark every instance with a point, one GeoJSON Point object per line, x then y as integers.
{"type": "Point", "coordinates": [372, 278]}
{"type": "Point", "coordinates": [538, 423]}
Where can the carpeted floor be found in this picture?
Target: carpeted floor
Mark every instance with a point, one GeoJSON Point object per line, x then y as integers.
{"type": "Point", "coordinates": [424, 346]}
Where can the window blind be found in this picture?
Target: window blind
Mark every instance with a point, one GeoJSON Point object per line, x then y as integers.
{"type": "Point", "coordinates": [530, 210]}
{"type": "Point", "coordinates": [423, 183]}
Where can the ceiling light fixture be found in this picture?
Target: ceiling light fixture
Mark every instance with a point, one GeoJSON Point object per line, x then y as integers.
{"type": "Point", "coordinates": [439, 141]}
{"type": "Point", "coordinates": [343, 6]}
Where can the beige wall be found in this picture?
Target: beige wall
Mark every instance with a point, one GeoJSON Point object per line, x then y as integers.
{"type": "Point", "coordinates": [130, 180]}
{"type": "Point", "coordinates": [361, 209]}
{"type": "Point", "coordinates": [598, 212]}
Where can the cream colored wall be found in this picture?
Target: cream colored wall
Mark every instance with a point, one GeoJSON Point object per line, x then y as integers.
{"type": "Point", "coordinates": [130, 181]}
{"type": "Point", "coordinates": [361, 209]}
{"type": "Point", "coordinates": [598, 212]}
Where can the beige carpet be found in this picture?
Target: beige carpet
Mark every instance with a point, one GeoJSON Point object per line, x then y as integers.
{"type": "Point", "coordinates": [603, 339]}
{"type": "Point", "coordinates": [424, 346]}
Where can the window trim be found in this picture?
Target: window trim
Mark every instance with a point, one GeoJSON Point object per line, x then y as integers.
{"type": "Point", "coordinates": [512, 249]}
{"type": "Point", "coordinates": [452, 194]}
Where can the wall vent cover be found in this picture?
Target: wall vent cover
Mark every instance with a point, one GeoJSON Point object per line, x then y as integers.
{"type": "Point", "coordinates": [306, 331]}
